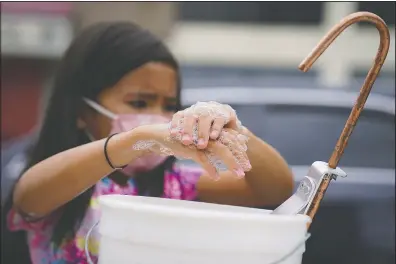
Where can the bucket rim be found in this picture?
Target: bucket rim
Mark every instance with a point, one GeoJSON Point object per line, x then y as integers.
{"type": "Point", "coordinates": [114, 201]}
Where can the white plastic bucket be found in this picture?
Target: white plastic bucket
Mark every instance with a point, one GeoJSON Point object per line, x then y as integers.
{"type": "Point", "coordinates": [145, 230]}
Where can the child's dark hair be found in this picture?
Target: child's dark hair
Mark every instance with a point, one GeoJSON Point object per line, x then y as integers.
{"type": "Point", "coordinates": [97, 59]}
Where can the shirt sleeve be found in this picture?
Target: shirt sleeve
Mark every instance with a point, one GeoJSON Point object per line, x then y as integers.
{"type": "Point", "coordinates": [16, 221]}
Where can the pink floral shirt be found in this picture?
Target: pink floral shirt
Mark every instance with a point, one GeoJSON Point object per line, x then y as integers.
{"type": "Point", "coordinates": [179, 184]}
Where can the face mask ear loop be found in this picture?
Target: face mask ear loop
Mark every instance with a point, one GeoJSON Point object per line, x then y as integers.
{"type": "Point", "coordinates": [100, 108]}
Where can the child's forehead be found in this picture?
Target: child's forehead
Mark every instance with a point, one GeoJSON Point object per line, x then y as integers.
{"type": "Point", "coordinates": [152, 78]}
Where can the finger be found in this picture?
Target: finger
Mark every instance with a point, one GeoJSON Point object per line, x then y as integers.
{"type": "Point", "coordinates": [242, 139]}
{"type": "Point", "coordinates": [233, 121]}
{"type": "Point", "coordinates": [204, 124]}
{"type": "Point", "coordinates": [188, 127]}
{"type": "Point", "coordinates": [203, 160]}
{"type": "Point", "coordinates": [238, 150]}
{"type": "Point", "coordinates": [192, 153]}
{"type": "Point", "coordinates": [242, 159]}
{"type": "Point", "coordinates": [223, 153]}
{"type": "Point", "coordinates": [236, 143]}
{"type": "Point", "coordinates": [228, 137]}
{"type": "Point", "coordinates": [233, 137]}
{"type": "Point", "coordinates": [217, 126]}
{"type": "Point", "coordinates": [175, 123]}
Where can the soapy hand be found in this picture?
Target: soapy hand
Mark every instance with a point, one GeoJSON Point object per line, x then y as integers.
{"type": "Point", "coordinates": [204, 121]}
{"type": "Point", "coordinates": [227, 152]}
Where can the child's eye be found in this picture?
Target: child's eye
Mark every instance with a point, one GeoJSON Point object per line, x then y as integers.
{"type": "Point", "coordinates": [138, 104]}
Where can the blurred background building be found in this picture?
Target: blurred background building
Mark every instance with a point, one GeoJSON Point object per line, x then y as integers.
{"type": "Point", "coordinates": [218, 43]}
{"type": "Point", "coordinates": [251, 50]}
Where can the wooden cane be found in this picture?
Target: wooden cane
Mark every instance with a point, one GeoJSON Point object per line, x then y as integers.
{"type": "Point", "coordinates": [307, 63]}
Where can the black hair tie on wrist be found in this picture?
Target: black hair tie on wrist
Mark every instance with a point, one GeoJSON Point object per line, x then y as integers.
{"type": "Point", "coordinates": [107, 156]}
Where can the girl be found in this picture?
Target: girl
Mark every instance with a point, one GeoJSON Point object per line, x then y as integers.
{"type": "Point", "coordinates": [104, 132]}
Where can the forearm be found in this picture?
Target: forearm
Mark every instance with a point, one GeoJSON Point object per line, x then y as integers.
{"type": "Point", "coordinates": [270, 177]}
{"type": "Point", "coordinates": [58, 179]}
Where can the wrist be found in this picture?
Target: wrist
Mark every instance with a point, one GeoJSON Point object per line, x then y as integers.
{"type": "Point", "coordinates": [120, 147]}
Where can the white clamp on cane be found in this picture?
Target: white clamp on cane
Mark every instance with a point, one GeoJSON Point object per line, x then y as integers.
{"type": "Point", "coordinates": [301, 200]}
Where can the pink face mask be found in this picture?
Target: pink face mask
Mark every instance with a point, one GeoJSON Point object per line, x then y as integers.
{"type": "Point", "coordinates": [126, 122]}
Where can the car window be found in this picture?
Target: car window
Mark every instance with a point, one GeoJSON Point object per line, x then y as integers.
{"type": "Point", "coordinates": [304, 134]}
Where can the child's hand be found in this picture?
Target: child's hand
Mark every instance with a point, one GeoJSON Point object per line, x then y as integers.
{"type": "Point", "coordinates": [227, 152]}
{"type": "Point", "coordinates": [203, 121]}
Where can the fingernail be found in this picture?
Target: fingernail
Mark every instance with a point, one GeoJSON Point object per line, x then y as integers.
{"type": "Point", "coordinates": [186, 138]}
{"type": "Point", "coordinates": [201, 142]}
{"type": "Point", "coordinates": [214, 134]}
{"type": "Point", "coordinates": [239, 172]}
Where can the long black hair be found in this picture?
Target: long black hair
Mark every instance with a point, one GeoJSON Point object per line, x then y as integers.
{"type": "Point", "coordinates": [98, 58]}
